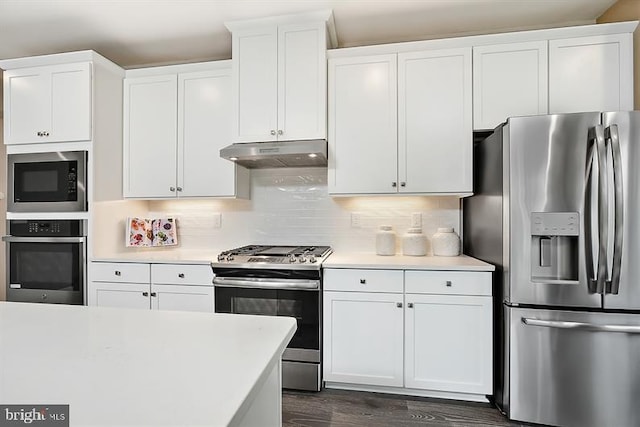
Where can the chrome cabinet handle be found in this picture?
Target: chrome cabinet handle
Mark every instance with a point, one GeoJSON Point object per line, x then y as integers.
{"type": "Point", "coordinates": [280, 132]}
{"type": "Point", "coordinates": [181, 275]}
{"type": "Point", "coordinates": [273, 132]}
{"type": "Point", "coordinates": [403, 184]}
{"type": "Point", "coordinates": [363, 281]}
{"type": "Point", "coordinates": [399, 304]}
{"type": "Point", "coordinates": [153, 294]}
{"type": "Point", "coordinates": [179, 188]}
{"type": "Point", "coordinates": [172, 189]}
{"type": "Point", "coordinates": [39, 133]}
{"type": "Point", "coordinates": [145, 294]}
{"type": "Point", "coordinates": [611, 133]}
{"type": "Point", "coordinates": [45, 133]}
{"type": "Point", "coordinates": [394, 184]}
{"type": "Point", "coordinates": [410, 305]}
{"type": "Point", "coordinates": [118, 273]}
{"type": "Point", "coordinates": [448, 283]}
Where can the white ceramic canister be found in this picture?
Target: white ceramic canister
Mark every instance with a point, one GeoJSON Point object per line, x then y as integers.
{"type": "Point", "coordinates": [445, 242]}
{"type": "Point", "coordinates": [414, 243]}
{"type": "Point", "coordinates": [385, 240]}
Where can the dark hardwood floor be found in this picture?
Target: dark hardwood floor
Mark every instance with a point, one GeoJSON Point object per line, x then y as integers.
{"type": "Point", "coordinates": [350, 409]}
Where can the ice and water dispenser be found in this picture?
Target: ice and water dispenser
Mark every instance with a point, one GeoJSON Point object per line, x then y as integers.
{"type": "Point", "coordinates": [554, 246]}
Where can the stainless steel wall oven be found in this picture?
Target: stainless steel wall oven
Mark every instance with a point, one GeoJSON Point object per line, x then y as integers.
{"type": "Point", "coordinates": [279, 281]}
{"type": "Point", "coordinates": [46, 261]}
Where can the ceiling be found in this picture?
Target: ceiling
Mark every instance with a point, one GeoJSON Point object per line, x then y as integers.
{"type": "Point", "coordinates": [135, 33]}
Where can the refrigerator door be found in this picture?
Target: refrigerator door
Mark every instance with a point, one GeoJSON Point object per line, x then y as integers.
{"type": "Point", "coordinates": [574, 368]}
{"type": "Point", "coordinates": [549, 244]}
{"type": "Point", "coordinates": [622, 130]}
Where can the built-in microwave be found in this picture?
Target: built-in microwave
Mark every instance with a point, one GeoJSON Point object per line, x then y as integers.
{"type": "Point", "coordinates": [47, 182]}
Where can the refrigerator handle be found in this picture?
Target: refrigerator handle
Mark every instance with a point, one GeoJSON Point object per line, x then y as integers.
{"type": "Point", "coordinates": [603, 210]}
{"type": "Point", "coordinates": [561, 324]}
{"type": "Point", "coordinates": [588, 235]}
{"type": "Point", "coordinates": [618, 202]}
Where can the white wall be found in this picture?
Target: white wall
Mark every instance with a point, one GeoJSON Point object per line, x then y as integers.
{"type": "Point", "coordinates": [3, 213]}
{"type": "Point", "coordinates": [289, 206]}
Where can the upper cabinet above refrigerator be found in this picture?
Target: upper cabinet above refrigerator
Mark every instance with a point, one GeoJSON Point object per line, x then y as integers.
{"type": "Point", "coordinates": [280, 77]}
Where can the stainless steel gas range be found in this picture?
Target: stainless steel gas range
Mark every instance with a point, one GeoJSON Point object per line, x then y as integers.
{"type": "Point", "coordinates": [278, 281]}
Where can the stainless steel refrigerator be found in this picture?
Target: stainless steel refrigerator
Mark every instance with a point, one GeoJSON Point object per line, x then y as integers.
{"type": "Point", "coordinates": [556, 208]}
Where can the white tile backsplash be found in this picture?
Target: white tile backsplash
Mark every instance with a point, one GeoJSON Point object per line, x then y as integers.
{"type": "Point", "coordinates": [292, 206]}
{"type": "Point", "coordinates": [288, 206]}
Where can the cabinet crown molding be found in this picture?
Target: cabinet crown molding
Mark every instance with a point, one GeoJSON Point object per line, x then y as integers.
{"type": "Point", "coordinates": [60, 58]}
{"type": "Point", "coordinates": [325, 15]}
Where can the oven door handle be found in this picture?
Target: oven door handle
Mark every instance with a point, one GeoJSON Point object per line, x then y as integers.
{"type": "Point", "coordinates": [262, 283]}
{"type": "Point", "coordinates": [43, 239]}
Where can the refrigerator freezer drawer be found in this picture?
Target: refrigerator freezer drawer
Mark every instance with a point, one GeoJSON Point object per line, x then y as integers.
{"type": "Point", "coordinates": [574, 368]}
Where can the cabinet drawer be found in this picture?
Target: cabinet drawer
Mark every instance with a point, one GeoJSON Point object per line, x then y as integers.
{"type": "Point", "coordinates": [363, 280]}
{"type": "Point", "coordinates": [448, 282]}
{"type": "Point", "coordinates": [182, 274]}
{"type": "Point", "coordinates": [120, 272]}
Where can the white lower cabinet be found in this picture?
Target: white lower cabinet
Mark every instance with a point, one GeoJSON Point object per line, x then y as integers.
{"type": "Point", "coordinates": [363, 338]}
{"type": "Point", "coordinates": [183, 287]}
{"type": "Point", "coordinates": [435, 340]}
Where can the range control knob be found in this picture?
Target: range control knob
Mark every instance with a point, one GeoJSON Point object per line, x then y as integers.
{"type": "Point", "coordinates": [312, 258]}
{"type": "Point", "coordinates": [292, 258]}
{"type": "Point", "coordinates": [230, 257]}
{"type": "Point", "coordinates": [302, 258]}
{"type": "Point", "coordinates": [221, 257]}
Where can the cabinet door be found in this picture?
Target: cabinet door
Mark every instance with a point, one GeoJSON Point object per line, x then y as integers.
{"type": "Point", "coordinates": [363, 140]}
{"type": "Point", "coordinates": [362, 338]}
{"type": "Point", "coordinates": [509, 80]}
{"type": "Point", "coordinates": [48, 104]}
{"type": "Point", "coordinates": [448, 343]}
{"type": "Point", "coordinates": [204, 127]}
{"type": "Point", "coordinates": [302, 82]}
{"type": "Point", "coordinates": [591, 74]}
{"type": "Point", "coordinates": [435, 135]}
{"type": "Point", "coordinates": [121, 295]}
{"type": "Point", "coordinates": [150, 123]}
{"type": "Point", "coordinates": [182, 298]}
{"type": "Point", "coordinates": [255, 79]}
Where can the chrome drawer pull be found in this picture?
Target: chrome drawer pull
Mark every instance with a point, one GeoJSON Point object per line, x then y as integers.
{"type": "Point", "coordinates": [181, 275]}
{"type": "Point", "coordinates": [145, 294]}
{"type": "Point", "coordinates": [448, 283]}
{"type": "Point", "coordinates": [118, 273]}
{"type": "Point", "coordinates": [399, 304]}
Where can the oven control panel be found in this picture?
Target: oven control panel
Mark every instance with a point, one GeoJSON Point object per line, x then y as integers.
{"type": "Point", "coordinates": [57, 228]}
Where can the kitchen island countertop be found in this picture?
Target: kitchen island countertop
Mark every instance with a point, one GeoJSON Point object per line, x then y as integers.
{"type": "Point", "coordinates": [137, 367]}
{"type": "Point", "coordinates": [402, 262]}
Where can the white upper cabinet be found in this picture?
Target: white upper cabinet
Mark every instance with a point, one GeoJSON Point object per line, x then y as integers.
{"type": "Point", "coordinates": [48, 104]}
{"type": "Point", "coordinates": [363, 125]}
{"type": "Point", "coordinates": [509, 79]}
{"type": "Point", "coordinates": [175, 125]}
{"type": "Point", "coordinates": [591, 74]}
{"type": "Point", "coordinates": [435, 121]}
{"type": "Point", "coordinates": [150, 126]}
{"type": "Point", "coordinates": [203, 129]}
{"type": "Point", "coordinates": [401, 123]}
{"type": "Point", "coordinates": [279, 78]}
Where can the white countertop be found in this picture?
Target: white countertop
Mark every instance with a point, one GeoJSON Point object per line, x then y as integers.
{"type": "Point", "coordinates": [402, 262]}
{"type": "Point", "coordinates": [162, 257]}
{"type": "Point", "coordinates": [136, 367]}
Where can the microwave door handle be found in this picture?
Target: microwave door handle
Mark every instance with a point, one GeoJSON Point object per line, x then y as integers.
{"type": "Point", "coordinates": [588, 218]}
{"type": "Point", "coordinates": [15, 239]}
{"type": "Point", "coordinates": [618, 203]}
{"type": "Point", "coordinates": [603, 210]}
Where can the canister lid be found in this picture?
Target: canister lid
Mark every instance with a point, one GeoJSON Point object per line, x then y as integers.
{"type": "Point", "coordinates": [415, 230]}
{"type": "Point", "coordinates": [445, 230]}
{"type": "Point", "coordinates": [386, 228]}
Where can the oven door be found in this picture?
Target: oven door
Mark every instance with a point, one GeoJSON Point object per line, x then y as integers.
{"type": "Point", "coordinates": [303, 305]}
{"type": "Point", "coordinates": [47, 182]}
{"type": "Point", "coordinates": [49, 270]}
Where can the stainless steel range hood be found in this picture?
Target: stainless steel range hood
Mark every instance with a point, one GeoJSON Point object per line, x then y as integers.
{"type": "Point", "coordinates": [264, 155]}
